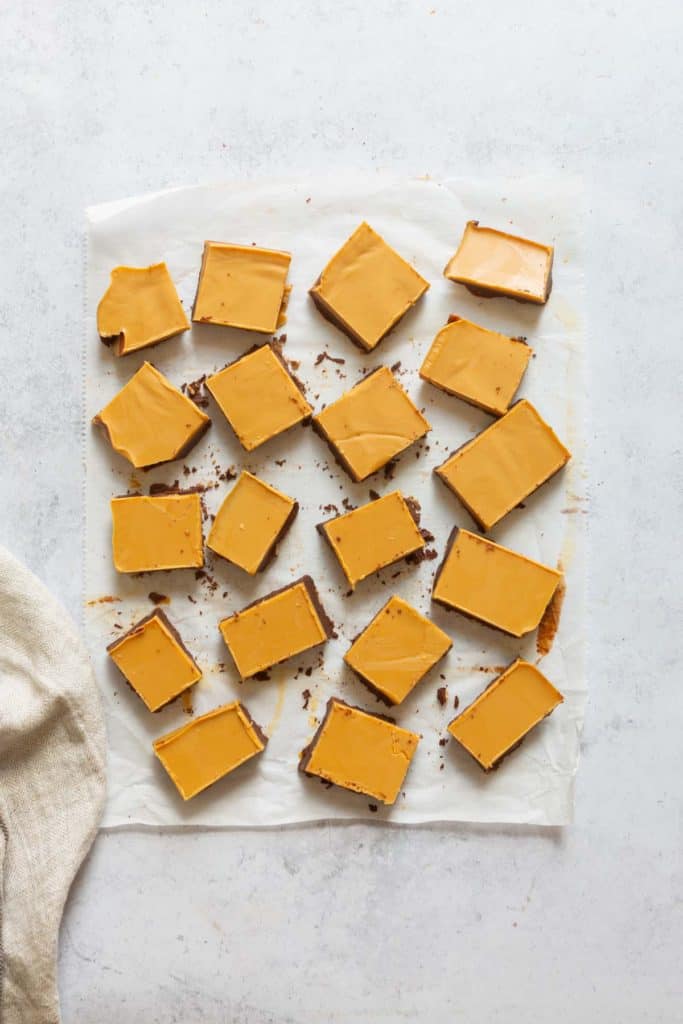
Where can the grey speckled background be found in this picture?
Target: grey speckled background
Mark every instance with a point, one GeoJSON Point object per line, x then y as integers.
{"type": "Point", "coordinates": [359, 923]}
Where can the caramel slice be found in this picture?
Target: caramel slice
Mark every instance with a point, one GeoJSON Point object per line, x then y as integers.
{"type": "Point", "coordinates": [250, 523]}
{"type": "Point", "coordinates": [490, 262]}
{"type": "Point", "coordinates": [150, 421]}
{"type": "Point", "coordinates": [205, 750]}
{"type": "Point", "coordinates": [396, 650]}
{"type": "Point", "coordinates": [139, 308]}
{"type": "Point", "coordinates": [508, 709]}
{"type": "Point", "coordinates": [276, 627]}
{"type": "Point", "coordinates": [360, 751]}
{"type": "Point", "coordinates": [241, 286]}
{"type": "Point", "coordinates": [154, 660]}
{"type": "Point", "coordinates": [372, 536]}
{"type": "Point", "coordinates": [162, 531]}
{"type": "Point", "coordinates": [366, 288]}
{"type": "Point", "coordinates": [258, 397]}
{"type": "Point", "coordinates": [493, 584]}
{"type": "Point", "coordinates": [503, 465]}
{"type": "Point", "coordinates": [371, 424]}
{"type": "Point", "coordinates": [480, 366]}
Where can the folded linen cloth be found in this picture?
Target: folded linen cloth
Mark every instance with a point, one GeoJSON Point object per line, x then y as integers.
{"type": "Point", "coordinates": [52, 786]}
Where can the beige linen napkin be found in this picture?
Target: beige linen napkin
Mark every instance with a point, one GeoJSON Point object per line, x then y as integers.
{"type": "Point", "coordinates": [52, 786]}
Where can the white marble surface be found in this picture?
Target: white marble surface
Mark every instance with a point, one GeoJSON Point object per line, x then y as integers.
{"type": "Point", "coordinates": [364, 923]}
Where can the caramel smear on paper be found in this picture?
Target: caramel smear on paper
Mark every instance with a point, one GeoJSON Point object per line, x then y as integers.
{"type": "Point", "coordinates": [550, 622]}
{"type": "Point", "coordinates": [107, 599]}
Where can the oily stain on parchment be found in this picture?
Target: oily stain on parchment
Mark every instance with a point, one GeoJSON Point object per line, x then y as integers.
{"type": "Point", "coordinates": [279, 706]}
{"type": "Point", "coordinates": [549, 624]}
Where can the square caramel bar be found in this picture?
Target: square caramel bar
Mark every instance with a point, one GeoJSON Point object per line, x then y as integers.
{"type": "Point", "coordinates": [207, 749]}
{"type": "Point", "coordinates": [493, 584]}
{"type": "Point", "coordinates": [504, 464]}
{"type": "Point", "coordinates": [162, 531]}
{"type": "Point", "coordinates": [490, 262]}
{"type": "Point", "coordinates": [360, 751]}
{"type": "Point", "coordinates": [480, 366]}
{"type": "Point", "coordinates": [258, 397]}
{"type": "Point", "coordinates": [154, 661]}
{"type": "Point", "coordinates": [276, 627]}
{"type": "Point", "coordinates": [139, 308]}
{"type": "Point", "coordinates": [508, 709]}
{"type": "Point", "coordinates": [371, 424]}
{"type": "Point", "coordinates": [396, 650]}
{"type": "Point", "coordinates": [150, 421]}
{"type": "Point", "coordinates": [375, 535]}
{"type": "Point", "coordinates": [366, 288]}
{"type": "Point", "coordinates": [242, 286]}
{"type": "Point", "coordinates": [252, 520]}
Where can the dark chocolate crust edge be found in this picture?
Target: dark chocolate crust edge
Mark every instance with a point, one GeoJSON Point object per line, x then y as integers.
{"type": "Point", "coordinates": [192, 440]}
{"type": "Point", "coordinates": [271, 552]}
{"type": "Point", "coordinates": [255, 726]}
{"type": "Point", "coordinates": [497, 293]}
{"type": "Point", "coordinates": [331, 316]}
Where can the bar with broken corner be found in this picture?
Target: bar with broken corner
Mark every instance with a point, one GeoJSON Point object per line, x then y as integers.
{"type": "Point", "coordinates": [267, 632]}
{"type": "Point", "coordinates": [366, 288]}
{"type": "Point", "coordinates": [159, 531]}
{"type": "Point", "coordinates": [377, 534]}
{"type": "Point", "coordinates": [371, 424]}
{"type": "Point", "coordinates": [357, 750]}
{"type": "Point", "coordinates": [200, 753]}
{"type": "Point", "coordinates": [508, 709]}
{"type": "Point", "coordinates": [504, 464]}
{"type": "Point", "coordinates": [154, 661]}
{"type": "Point", "coordinates": [250, 523]}
{"type": "Point", "coordinates": [494, 263]}
{"type": "Point", "coordinates": [140, 308]}
{"type": "Point", "coordinates": [479, 366]}
{"type": "Point", "coordinates": [493, 584]}
{"type": "Point", "coordinates": [258, 397]}
{"type": "Point", "coordinates": [242, 286]}
{"type": "Point", "coordinates": [150, 421]}
{"type": "Point", "coordinates": [396, 650]}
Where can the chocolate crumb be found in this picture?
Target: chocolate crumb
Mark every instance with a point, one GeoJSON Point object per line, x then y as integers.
{"type": "Point", "coordinates": [395, 367]}
{"type": "Point", "coordinates": [348, 505]}
{"type": "Point", "coordinates": [309, 671]}
{"type": "Point", "coordinates": [390, 469]}
{"type": "Point", "coordinates": [443, 741]}
{"type": "Point", "coordinates": [373, 808]}
{"type": "Point", "coordinates": [442, 695]}
{"type": "Point", "coordinates": [306, 694]}
{"type": "Point", "coordinates": [190, 598]}
{"type": "Point", "coordinates": [196, 391]}
{"type": "Point", "coordinates": [322, 356]}
{"type": "Point", "coordinates": [373, 495]}
{"type": "Point", "coordinates": [280, 462]}
{"type": "Point", "coordinates": [157, 598]}
{"type": "Point", "coordinates": [456, 702]}
{"type": "Point", "coordinates": [263, 677]}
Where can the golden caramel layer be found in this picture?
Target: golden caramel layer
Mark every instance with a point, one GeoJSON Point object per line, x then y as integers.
{"type": "Point", "coordinates": [162, 531]}
{"type": "Point", "coordinates": [241, 286]}
{"type": "Point", "coordinates": [494, 262]}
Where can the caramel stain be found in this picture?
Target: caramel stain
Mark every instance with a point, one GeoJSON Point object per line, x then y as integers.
{"type": "Point", "coordinates": [550, 622]}
{"type": "Point", "coordinates": [107, 599]}
{"type": "Point", "coordinates": [186, 699]}
{"type": "Point", "coordinates": [279, 706]}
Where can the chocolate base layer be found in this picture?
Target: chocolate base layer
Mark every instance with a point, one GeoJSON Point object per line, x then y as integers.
{"type": "Point", "coordinates": [307, 752]}
{"type": "Point", "coordinates": [161, 615]}
{"type": "Point", "coordinates": [115, 342]}
{"type": "Point", "coordinates": [255, 726]}
{"type": "Point", "coordinates": [482, 292]}
{"type": "Point", "coordinates": [180, 454]}
{"type": "Point", "coordinates": [325, 621]}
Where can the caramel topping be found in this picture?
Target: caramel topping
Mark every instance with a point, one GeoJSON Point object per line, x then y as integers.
{"type": "Point", "coordinates": [371, 423]}
{"type": "Point", "coordinates": [372, 536]}
{"type": "Point", "coordinates": [242, 286]}
{"type": "Point", "coordinates": [493, 584]}
{"type": "Point", "coordinates": [367, 287]}
{"type": "Point", "coordinates": [258, 397]}
{"type": "Point", "coordinates": [480, 366]}
{"type": "Point", "coordinates": [271, 630]}
{"type": "Point", "coordinates": [154, 661]}
{"type": "Point", "coordinates": [504, 464]}
{"type": "Point", "coordinates": [157, 532]}
{"type": "Point", "coordinates": [397, 649]}
{"type": "Point", "coordinates": [140, 308]}
{"type": "Point", "coordinates": [361, 752]}
{"type": "Point", "coordinates": [249, 522]}
{"type": "Point", "coordinates": [495, 262]}
{"type": "Point", "coordinates": [504, 713]}
{"type": "Point", "coordinates": [198, 754]}
{"type": "Point", "coordinates": [149, 421]}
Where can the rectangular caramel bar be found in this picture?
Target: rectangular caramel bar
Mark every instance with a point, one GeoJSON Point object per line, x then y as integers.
{"type": "Point", "coordinates": [276, 627]}
{"type": "Point", "coordinates": [396, 650]}
{"type": "Point", "coordinates": [504, 464]}
{"type": "Point", "coordinates": [366, 288]}
{"type": "Point", "coordinates": [371, 424]}
{"type": "Point", "coordinates": [493, 584]}
{"type": "Point", "coordinates": [508, 709]}
{"type": "Point", "coordinates": [480, 366]}
{"type": "Point", "coordinates": [162, 531]}
{"type": "Point", "coordinates": [205, 750]}
{"type": "Point", "coordinates": [360, 751]}
{"type": "Point", "coordinates": [140, 308]}
{"type": "Point", "coordinates": [150, 421]}
{"type": "Point", "coordinates": [250, 523]}
{"type": "Point", "coordinates": [490, 262]}
{"type": "Point", "coordinates": [242, 286]}
{"type": "Point", "coordinates": [154, 661]}
{"type": "Point", "coordinates": [375, 535]}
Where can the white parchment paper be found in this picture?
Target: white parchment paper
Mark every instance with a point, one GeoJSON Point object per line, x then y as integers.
{"type": "Point", "coordinates": [423, 220]}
